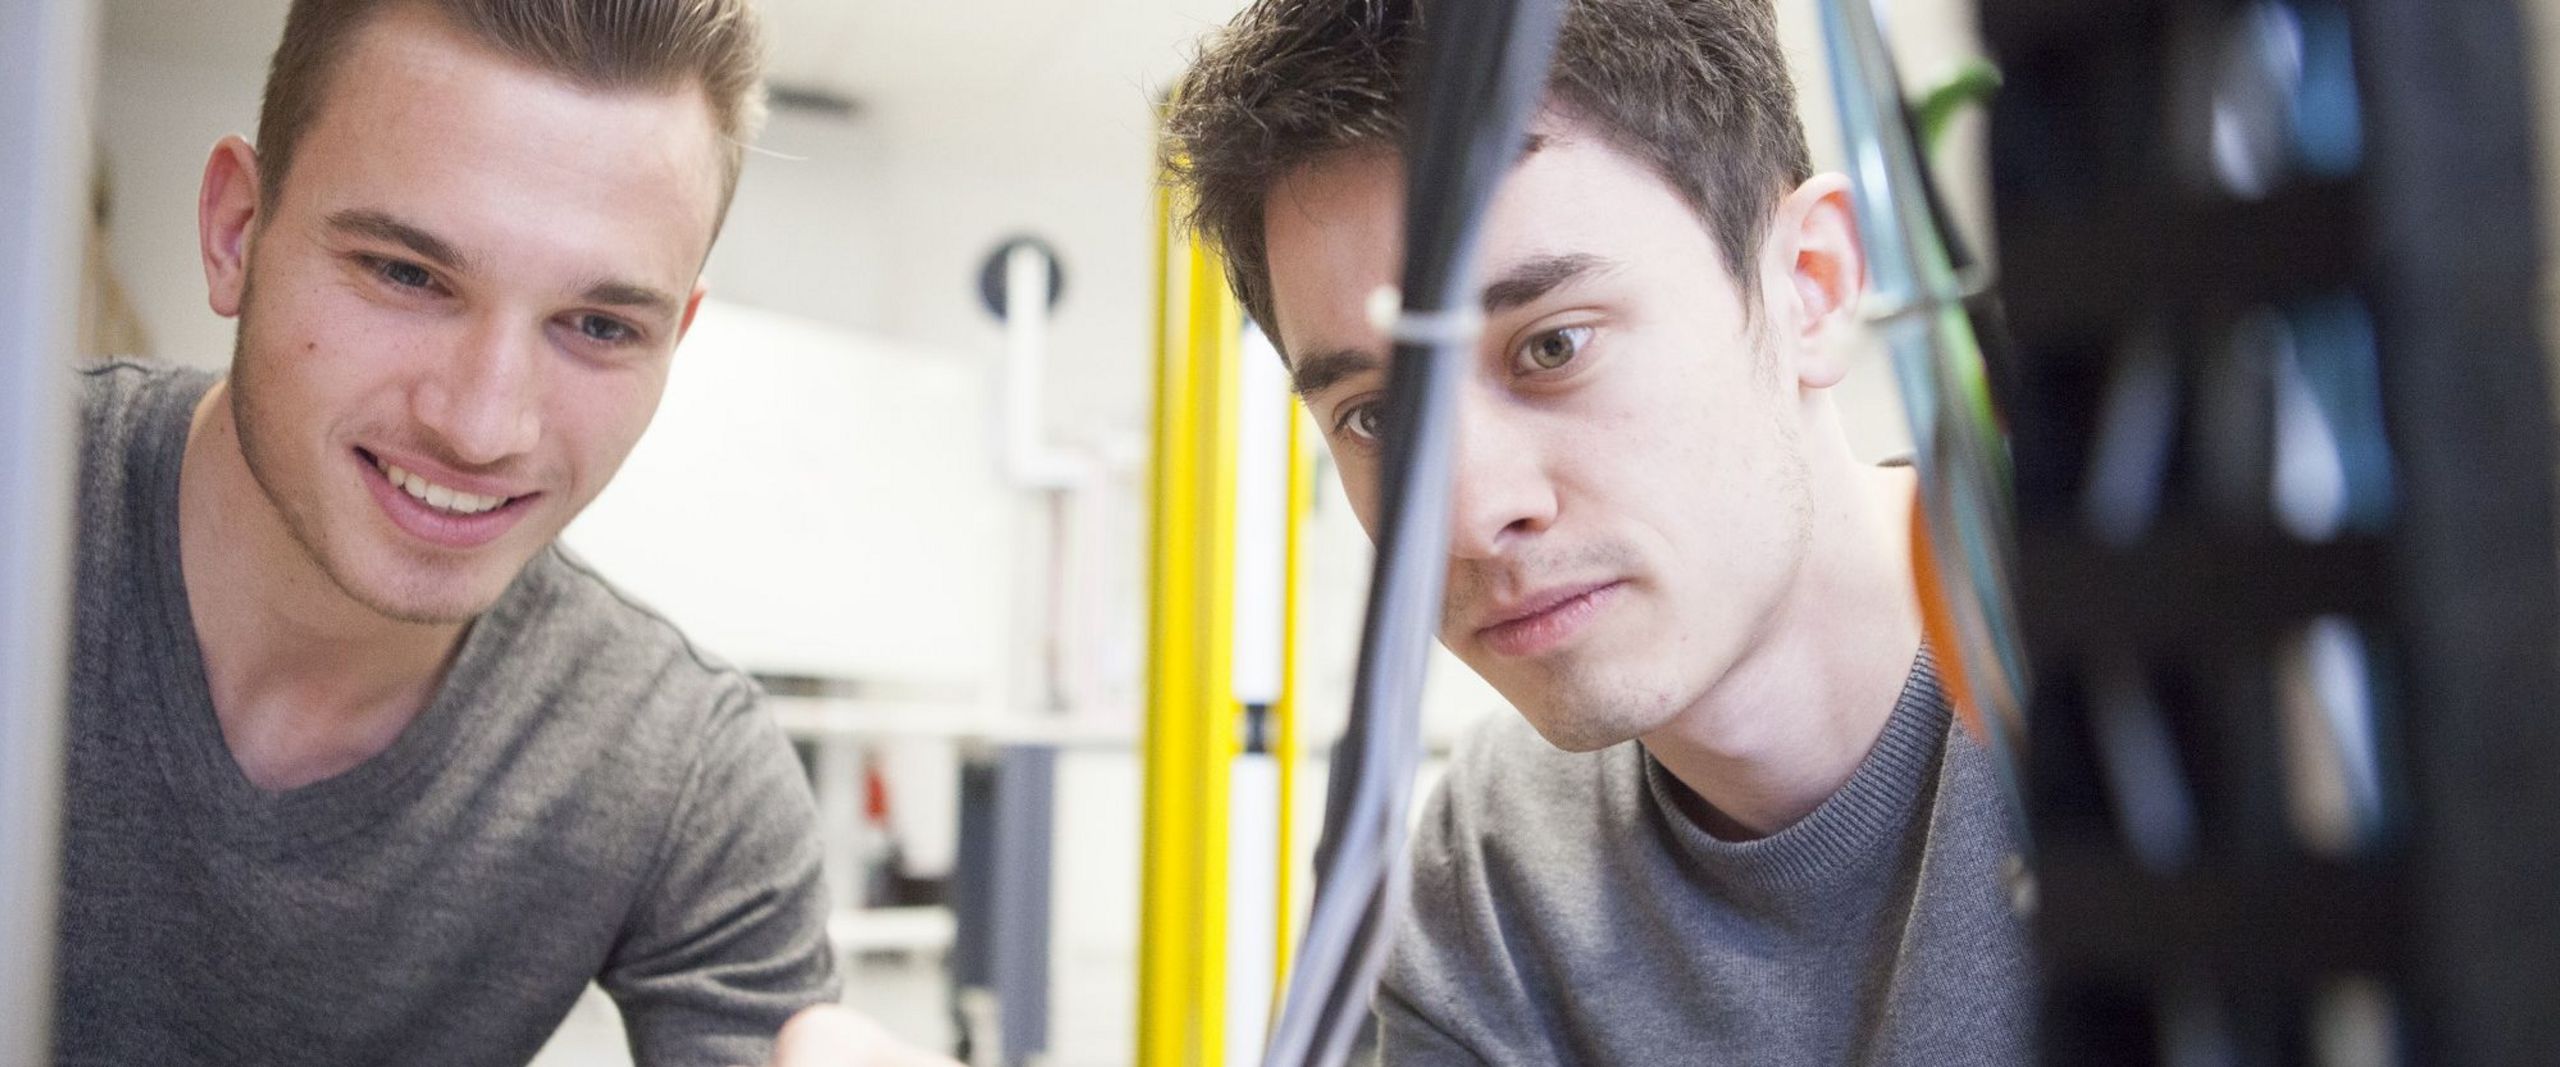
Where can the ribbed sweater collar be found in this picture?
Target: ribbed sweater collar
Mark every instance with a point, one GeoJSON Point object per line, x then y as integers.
{"type": "Point", "coordinates": [1873, 810]}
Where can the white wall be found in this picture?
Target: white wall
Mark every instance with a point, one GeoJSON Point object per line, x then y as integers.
{"type": "Point", "coordinates": [953, 192]}
{"type": "Point", "coordinates": [812, 501]}
{"type": "Point", "coordinates": [807, 233]}
{"type": "Point", "coordinates": [159, 114]}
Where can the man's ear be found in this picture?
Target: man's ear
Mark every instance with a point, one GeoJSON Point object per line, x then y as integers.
{"type": "Point", "coordinates": [692, 305]}
{"type": "Point", "coordinates": [1817, 273]}
{"type": "Point", "coordinates": [227, 222]}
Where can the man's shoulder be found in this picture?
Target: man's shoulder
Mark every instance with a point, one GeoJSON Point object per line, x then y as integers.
{"type": "Point", "coordinates": [1512, 806]}
{"type": "Point", "coordinates": [1516, 874]}
{"type": "Point", "coordinates": [128, 372]}
{"type": "Point", "coordinates": [118, 398]}
{"type": "Point", "coordinates": [1506, 771]}
{"type": "Point", "coordinates": [119, 385]}
{"type": "Point", "coordinates": [590, 645]}
{"type": "Point", "coordinates": [131, 441]}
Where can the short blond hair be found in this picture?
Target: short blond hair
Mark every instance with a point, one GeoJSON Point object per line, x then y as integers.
{"type": "Point", "coordinates": [715, 45]}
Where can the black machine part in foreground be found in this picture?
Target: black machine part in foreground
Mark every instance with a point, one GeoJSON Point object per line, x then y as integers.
{"type": "Point", "coordinates": [1477, 73]}
{"type": "Point", "coordinates": [2282, 430]}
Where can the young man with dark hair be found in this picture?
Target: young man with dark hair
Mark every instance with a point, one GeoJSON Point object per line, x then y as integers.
{"type": "Point", "coordinates": [1736, 825]}
{"type": "Point", "coordinates": [363, 767]}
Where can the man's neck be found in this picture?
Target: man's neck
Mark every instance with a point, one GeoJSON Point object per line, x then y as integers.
{"type": "Point", "coordinates": [306, 682]}
{"type": "Point", "coordinates": [1792, 719]}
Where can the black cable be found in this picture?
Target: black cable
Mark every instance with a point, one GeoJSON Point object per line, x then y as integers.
{"type": "Point", "coordinates": [1480, 71]}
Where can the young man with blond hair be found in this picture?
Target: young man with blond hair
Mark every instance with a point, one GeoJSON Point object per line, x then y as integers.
{"type": "Point", "coordinates": [1732, 823]}
{"type": "Point", "coordinates": [364, 768]}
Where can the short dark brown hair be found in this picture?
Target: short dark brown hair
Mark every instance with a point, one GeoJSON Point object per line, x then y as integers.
{"type": "Point", "coordinates": [715, 45]}
{"type": "Point", "coordinates": [1696, 89]}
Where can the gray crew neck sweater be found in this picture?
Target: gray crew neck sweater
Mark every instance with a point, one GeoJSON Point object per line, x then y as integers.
{"type": "Point", "coordinates": [1567, 909]}
{"type": "Point", "coordinates": [587, 796]}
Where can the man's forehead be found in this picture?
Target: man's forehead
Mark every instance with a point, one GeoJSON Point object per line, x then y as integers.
{"type": "Point", "coordinates": [1378, 168]}
{"type": "Point", "coordinates": [402, 35]}
{"type": "Point", "coordinates": [1332, 232]}
{"type": "Point", "coordinates": [412, 41]}
{"type": "Point", "coordinates": [1334, 235]}
{"type": "Point", "coordinates": [1347, 192]}
{"type": "Point", "coordinates": [417, 97]}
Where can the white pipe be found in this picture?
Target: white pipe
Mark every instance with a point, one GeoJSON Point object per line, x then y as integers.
{"type": "Point", "coordinates": [1262, 518]}
{"type": "Point", "coordinates": [1030, 461]}
{"type": "Point", "coordinates": [1061, 546]}
{"type": "Point", "coordinates": [47, 52]}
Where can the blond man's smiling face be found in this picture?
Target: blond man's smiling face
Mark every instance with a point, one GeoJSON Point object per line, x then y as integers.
{"type": "Point", "coordinates": [458, 317]}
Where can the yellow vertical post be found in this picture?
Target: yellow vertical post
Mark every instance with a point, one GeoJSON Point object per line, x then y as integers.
{"type": "Point", "coordinates": [1167, 1022]}
{"type": "Point", "coordinates": [1217, 350]}
{"type": "Point", "coordinates": [1192, 729]}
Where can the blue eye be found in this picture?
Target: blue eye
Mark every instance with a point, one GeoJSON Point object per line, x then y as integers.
{"type": "Point", "coordinates": [600, 328]}
{"type": "Point", "coordinates": [404, 274]}
{"type": "Point", "coordinates": [1554, 348]}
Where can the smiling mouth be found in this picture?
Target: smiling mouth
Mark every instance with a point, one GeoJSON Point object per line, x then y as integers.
{"type": "Point", "coordinates": [447, 500]}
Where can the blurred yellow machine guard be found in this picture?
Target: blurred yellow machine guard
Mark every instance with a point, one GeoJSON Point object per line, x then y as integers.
{"type": "Point", "coordinates": [1194, 720]}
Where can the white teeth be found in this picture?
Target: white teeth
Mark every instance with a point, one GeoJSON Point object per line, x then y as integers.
{"type": "Point", "coordinates": [437, 496]}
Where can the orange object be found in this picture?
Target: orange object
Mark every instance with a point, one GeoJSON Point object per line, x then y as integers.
{"type": "Point", "coordinates": [875, 794]}
{"type": "Point", "coordinates": [1938, 624]}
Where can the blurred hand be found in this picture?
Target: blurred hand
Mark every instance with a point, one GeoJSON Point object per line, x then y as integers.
{"type": "Point", "coordinates": [830, 1036]}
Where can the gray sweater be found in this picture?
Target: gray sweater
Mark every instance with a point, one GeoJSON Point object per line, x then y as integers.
{"type": "Point", "coordinates": [587, 796]}
{"type": "Point", "coordinates": [1567, 910]}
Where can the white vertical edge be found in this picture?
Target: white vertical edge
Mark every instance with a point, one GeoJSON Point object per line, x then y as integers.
{"type": "Point", "coordinates": [1262, 516]}
{"type": "Point", "coordinates": [1026, 329]}
{"type": "Point", "coordinates": [1253, 901]}
{"type": "Point", "coordinates": [1253, 828]}
{"type": "Point", "coordinates": [48, 49]}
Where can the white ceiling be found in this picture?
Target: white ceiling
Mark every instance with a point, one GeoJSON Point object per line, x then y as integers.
{"type": "Point", "coordinates": [915, 56]}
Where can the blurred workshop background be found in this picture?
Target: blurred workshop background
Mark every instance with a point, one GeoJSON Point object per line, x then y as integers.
{"type": "Point", "coordinates": [928, 535]}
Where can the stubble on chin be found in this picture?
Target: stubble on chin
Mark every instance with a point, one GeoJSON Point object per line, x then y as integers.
{"type": "Point", "coordinates": [1579, 708]}
{"type": "Point", "coordinates": [300, 509]}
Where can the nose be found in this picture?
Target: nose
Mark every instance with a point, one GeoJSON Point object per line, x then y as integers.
{"type": "Point", "coordinates": [482, 399]}
{"type": "Point", "coordinates": [1500, 494]}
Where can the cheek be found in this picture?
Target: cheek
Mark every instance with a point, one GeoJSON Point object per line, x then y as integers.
{"type": "Point", "coordinates": [1360, 487]}
{"type": "Point", "coordinates": [598, 416]}
{"type": "Point", "coordinates": [302, 363]}
{"type": "Point", "coordinates": [1684, 445]}
{"type": "Point", "coordinates": [334, 339]}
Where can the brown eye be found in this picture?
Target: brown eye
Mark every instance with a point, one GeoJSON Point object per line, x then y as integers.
{"type": "Point", "coordinates": [1553, 349]}
{"type": "Point", "coordinates": [1361, 421]}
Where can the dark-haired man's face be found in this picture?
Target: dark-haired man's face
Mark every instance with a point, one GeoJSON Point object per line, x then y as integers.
{"type": "Point", "coordinates": [1632, 505]}
{"type": "Point", "coordinates": [458, 318]}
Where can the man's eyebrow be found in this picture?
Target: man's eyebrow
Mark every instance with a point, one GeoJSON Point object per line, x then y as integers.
{"type": "Point", "coordinates": [1319, 372]}
{"type": "Point", "coordinates": [630, 295]}
{"type": "Point", "coordinates": [376, 224]}
{"type": "Point", "coordinates": [1527, 280]}
{"type": "Point", "coordinates": [1532, 278]}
